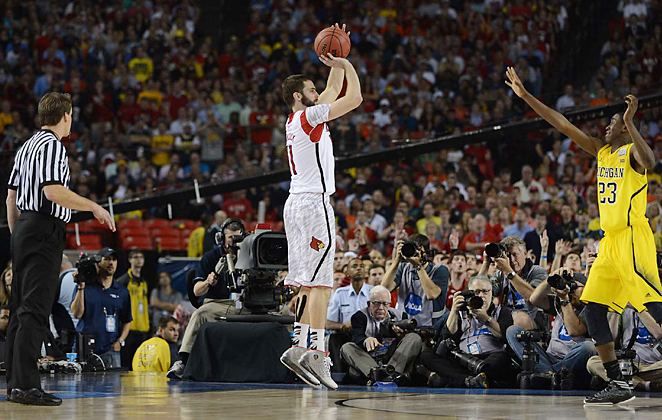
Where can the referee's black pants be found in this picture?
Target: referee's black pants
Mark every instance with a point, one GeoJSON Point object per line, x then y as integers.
{"type": "Point", "coordinates": [37, 245]}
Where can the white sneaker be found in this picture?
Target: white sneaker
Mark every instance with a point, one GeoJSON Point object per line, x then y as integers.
{"type": "Point", "coordinates": [291, 361]}
{"type": "Point", "coordinates": [177, 370]}
{"type": "Point", "coordinates": [320, 366]}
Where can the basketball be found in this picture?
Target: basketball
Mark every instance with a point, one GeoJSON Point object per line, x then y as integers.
{"type": "Point", "coordinates": [332, 40]}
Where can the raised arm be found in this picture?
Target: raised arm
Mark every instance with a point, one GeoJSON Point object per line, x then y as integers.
{"type": "Point", "coordinates": [352, 98]}
{"type": "Point", "coordinates": [641, 151]}
{"type": "Point", "coordinates": [589, 144]}
{"type": "Point", "coordinates": [334, 82]}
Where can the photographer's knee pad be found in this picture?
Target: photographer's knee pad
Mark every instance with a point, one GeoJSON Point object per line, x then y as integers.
{"type": "Point", "coordinates": [597, 324]}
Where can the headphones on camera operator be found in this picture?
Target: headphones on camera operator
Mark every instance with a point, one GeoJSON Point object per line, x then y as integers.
{"type": "Point", "coordinates": [229, 223]}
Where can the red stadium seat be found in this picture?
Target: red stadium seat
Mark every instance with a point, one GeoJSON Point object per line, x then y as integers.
{"type": "Point", "coordinates": [133, 231]}
{"type": "Point", "coordinates": [185, 223]}
{"type": "Point", "coordinates": [87, 242]}
{"type": "Point", "coordinates": [156, 223]}
{"type": "Point", "coordinates": [130, 223]}
{"type": "Point", "coordinates": [165, 232]}
{"type": "Point", "coordinates": [91, 226]}
{"type": "Point", "coordinates": [137, 242]}
{"type": "Point", "coordinates": [169, 243]}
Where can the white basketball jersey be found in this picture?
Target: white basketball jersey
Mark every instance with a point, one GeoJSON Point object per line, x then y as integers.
{"type": "Point", "coordinates": [310, 151]}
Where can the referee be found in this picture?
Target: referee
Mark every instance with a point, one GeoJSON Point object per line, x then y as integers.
{"type": "Point", "coordinates": [39, 205]}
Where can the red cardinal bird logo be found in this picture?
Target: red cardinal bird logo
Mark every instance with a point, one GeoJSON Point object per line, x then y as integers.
{"type": "Point", "coordinates": [316, 244]}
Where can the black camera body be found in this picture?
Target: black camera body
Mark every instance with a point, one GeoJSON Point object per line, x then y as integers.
{"type": "Point", "coordinates": [528, 378]}
{"type": "Point", "coordinates": [471, 300]}
{"type": "Point", "coordinates": [259, 258]}
{"type": "Point", "coordinates": [87, 268]}
{"type": "Point", "coordinates": [496, 250]}
{"type": "Point", "coordinates": [565, 280]}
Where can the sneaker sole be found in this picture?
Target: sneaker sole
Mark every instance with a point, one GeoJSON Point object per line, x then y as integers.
{"type": "Point", "coordinates": [603, 404]}
{"type": "Point", "coordinates": [297, 371]}
{"type": "Point", "coordinates": [312, 372]}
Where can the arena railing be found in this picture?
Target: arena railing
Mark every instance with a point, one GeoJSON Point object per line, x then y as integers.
{"type": "Point", "coordinates": [406, 149]}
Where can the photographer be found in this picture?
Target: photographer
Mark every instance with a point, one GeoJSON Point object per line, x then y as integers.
{"type": "Point", "coordinates": [638, 332]}
{"type": "Point", "coordinates": [476, 328]}
{"type": "Point", "coordinates": [102, 306]}
{"type": "Point", "coordinates": [213, 287]}
{"type": "Point", "coordinates": [569, 346]}
{"type": "Point", "coordinates": [421, 285]}
{"type": "Point", "coordinates": [376, 339]}
{"type": "Point", "coordinates": [516, 278]}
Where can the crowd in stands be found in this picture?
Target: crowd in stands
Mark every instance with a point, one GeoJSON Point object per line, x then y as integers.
{"type": "Point", "coordinates": [156, 110]}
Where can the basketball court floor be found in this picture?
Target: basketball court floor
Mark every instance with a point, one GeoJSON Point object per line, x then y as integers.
{"type": "Point", "coordinates": [115, 395]}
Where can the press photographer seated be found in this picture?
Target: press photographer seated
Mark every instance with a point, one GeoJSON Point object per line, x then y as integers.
{"type": "Point", "coordinates": [474, 353]}
{"type": "Point", "coordinates": [516, 278]}
{"type": "Point", "coordinates": [421, 285]}
{"type": "Point", "coordinates": [102, 306]}
{"type": "Point", "coordinates": [640, 334]}
{"type": "Point", "coordinates": [377, 340]}
{"type": "Point", "coordinates": [212, 287]}
{"type": "Point", "coordinates": [569, 346]}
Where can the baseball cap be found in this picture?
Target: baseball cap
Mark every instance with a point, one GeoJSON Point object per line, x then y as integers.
{"type": "Point", "coordinates": [107, 252]}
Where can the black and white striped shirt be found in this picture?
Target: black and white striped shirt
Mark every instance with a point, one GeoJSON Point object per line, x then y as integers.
{"type": "Point", "coordinates": [41, 161]}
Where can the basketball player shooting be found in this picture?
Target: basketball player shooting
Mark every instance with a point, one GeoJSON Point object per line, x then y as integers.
{"type": "Point", "coordinates": [625, 270]}
{"type": "Point", "coordinates": [308, 215]}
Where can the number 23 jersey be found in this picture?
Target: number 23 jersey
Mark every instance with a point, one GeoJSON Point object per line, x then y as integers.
{"type": "Point", "coordinates": [622, 190]}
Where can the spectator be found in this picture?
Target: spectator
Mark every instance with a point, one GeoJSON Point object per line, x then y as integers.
{"type": "Point", "coordinates": [428, 216]}
{"type": "Point", "coordinates": [421, 286]}
{"type": "Point", "coordinates": [527, 185]}
{"type": "Point", "coordinates": [158, 353]}
{"type": "Point", "coordinates": [197, 236]}
{"type": "Point", "coordinates": [520, 228]}
{"type": "Point", "coordinates": [376, 340]}
{"type": "Point", "coordinates": [343, 304]}
{"type": "Point", "coordinates": [4, 325]}
{"type": "Point", "coordinates": [164, 299]}
{"type": "Point", "coordinates": [566, 100]}
{"type": "Point", "coordinates": [479, 332]}
{"type": "Point", "coordinates": [138, 287]}
{"type": "Point", "coordinates": [376, 274]}
{"type": "Point", "coordinates": [5, 285]}
{"type": "Point", "coordinates": [104, 310]}
{"type": "Point", "coordinates": [479, 236]}
{"type": "Point", "coordinates": [458, 277]}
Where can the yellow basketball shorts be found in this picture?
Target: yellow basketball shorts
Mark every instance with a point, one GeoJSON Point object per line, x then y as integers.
{"type": "Point", "coordinates": [625, 270]}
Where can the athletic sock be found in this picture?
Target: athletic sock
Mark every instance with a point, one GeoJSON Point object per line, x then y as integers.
{"type": "Point", "coordinates": [183, 357]}
{"type": "Point", "coordinates": [317, 340]}
{"type": "Point", "coordinates": [300, 335]}
{"type": "Point", "coordinates": [613, 370]}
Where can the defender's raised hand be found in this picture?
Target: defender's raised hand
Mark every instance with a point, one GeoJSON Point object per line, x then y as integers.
{"type": "Point", "coordinates": [633, 104]}
{"type": "Point", "coordinates": [513, 81]}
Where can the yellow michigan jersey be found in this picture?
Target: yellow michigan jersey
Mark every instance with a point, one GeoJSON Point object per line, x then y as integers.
{"type": "Point", "coordinates": [153, 355]}
{"type": "Point", "coordinates": [625, 270]}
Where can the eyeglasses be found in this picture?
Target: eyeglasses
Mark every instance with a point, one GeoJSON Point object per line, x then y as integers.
{"type": "Point", "coordinates": [482, 291]}
{"type": "Point", "coordinates": [378, 304]}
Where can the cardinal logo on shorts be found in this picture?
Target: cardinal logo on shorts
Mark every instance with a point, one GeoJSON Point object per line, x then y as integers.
{"type": "Point", "coordinates": [316, 244]}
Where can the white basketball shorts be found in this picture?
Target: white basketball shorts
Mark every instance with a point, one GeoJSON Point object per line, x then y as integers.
{"type": "Point", "coordinates": [310, 226]}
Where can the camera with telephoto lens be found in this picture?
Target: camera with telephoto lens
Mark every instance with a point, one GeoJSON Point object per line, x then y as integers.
{"type": "Point", "coordinates": [449, 349]}
{"type": "Point", "coordinates": [496, 250]}
{"type": "Point", "coordinates": [87, 268]}
{"type": "Point", "coordinates": [565, 279]}
{"type": "Point", "coordinates": [409, 249]}
{"type": "Point", "coordinates": [528, 378]}
{"type": "Point", "coordinates": [471, 300]}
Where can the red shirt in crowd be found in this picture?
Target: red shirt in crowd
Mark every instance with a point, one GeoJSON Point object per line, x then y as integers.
{"type": "Point", "coordinates": [240, 208]}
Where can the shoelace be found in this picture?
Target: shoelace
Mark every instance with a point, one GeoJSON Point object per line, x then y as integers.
{"type": "Point", "coordinates": [327, 365]}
